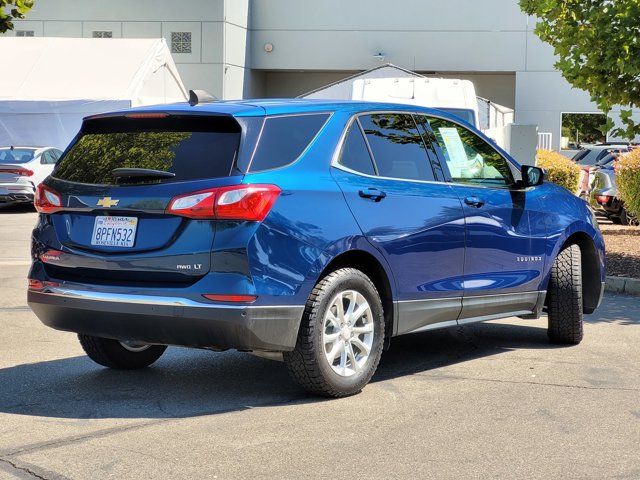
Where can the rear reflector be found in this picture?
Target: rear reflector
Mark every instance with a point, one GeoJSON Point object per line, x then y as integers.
{"type": "Point", "coordinates": [230, 298]}
{"type": "Point", "coordinates": [47, 200]}
{"type": "Point", "coordinates": [238, 202]}
{"type": "Point", "coordinates": [603, 199]}
{"type": "Point", "coordinates": [35, 284]}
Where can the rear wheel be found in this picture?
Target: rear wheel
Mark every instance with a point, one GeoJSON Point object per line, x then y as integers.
{"type": "Point", "coordinates": [120, 355]}
{"type": "Point", "coordinates": [627, 218]}
{"type": "Point", "coordinates": [341, 335]}
{"type": "Point", "coordinates": [564, 297]}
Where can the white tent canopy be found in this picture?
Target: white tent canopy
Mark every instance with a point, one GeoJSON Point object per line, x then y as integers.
{"type": "Point", "coordinates": [49, 84]}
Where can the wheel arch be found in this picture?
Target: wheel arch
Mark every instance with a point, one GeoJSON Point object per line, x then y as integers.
{"type": "Point", "coordinates": [591, 269]}
{"type": "Point", "coordinates": [373, 268]}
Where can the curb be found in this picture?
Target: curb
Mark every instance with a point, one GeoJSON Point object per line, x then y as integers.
{"type": "Point", "coordinates": [627, 286]}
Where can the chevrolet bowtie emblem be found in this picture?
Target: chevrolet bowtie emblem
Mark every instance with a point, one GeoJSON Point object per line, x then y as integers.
{"type": "Point", "coordinates": [107, 202]}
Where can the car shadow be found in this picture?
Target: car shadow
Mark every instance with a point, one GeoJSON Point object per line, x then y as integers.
{"type": "Point", "coordinates": [17, 208]}
{"type": "Point", "coordinates": [189, 383]}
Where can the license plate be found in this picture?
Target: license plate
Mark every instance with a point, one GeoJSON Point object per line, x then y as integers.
{"type": "Point", "coordinates": [114, 231]}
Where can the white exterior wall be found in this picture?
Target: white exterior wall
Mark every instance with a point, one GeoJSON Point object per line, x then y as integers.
{"type": "Point", "coordinates": [209, 21]}
{"type": "Point", "coordinates": [490, 42]}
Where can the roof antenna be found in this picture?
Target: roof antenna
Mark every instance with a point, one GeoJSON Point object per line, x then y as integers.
{"type": "Point", "coordinates": [200, 96]}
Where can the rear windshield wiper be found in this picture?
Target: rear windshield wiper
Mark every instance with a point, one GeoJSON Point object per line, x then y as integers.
{"type": "Point", "coordinates": [140, 173]}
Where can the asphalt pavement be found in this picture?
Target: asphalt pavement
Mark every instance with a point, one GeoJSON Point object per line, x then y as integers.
{"type": "Point", "coordinates": [488, 400]}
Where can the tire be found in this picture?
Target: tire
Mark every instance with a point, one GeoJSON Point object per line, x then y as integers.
{"type": "Point", "coordinates": [564, 298]}
{"type": "Point", "coordinates": [112, 354]}
{"type": "Point", "coordinates": [628, 219]}
{"type": "Point", "coordinates": [309, 363]}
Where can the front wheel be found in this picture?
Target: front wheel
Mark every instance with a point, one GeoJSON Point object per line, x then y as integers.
{"type": "Point", "coordinates": [120, 355]}
{"type": "Point", "coordinates": [341, 335]}
{"type": "Point", "coordinates": [564, 297]}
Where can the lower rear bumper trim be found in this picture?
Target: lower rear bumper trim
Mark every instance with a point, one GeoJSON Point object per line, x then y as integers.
{"type": "Point", "coordinates": [168, 320]}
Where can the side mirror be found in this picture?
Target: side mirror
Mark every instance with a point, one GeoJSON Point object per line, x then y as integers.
{"type": "Point", "coordinates": [532, 176]}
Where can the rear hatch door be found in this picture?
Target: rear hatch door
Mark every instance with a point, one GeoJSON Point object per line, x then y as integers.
{"type": "Point", "coordinates": [115, 183]}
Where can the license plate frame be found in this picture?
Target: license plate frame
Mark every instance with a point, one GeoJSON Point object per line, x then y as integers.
{"type": "Point", "coordinates": [114, 231]}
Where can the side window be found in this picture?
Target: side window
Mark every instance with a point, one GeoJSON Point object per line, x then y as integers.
{"type": "Point", "coordinates": [48, 158]}
{"type": "Point", "coordinates": [284, 138]}
{"type": "Point", "coordinates": [355, 154]}
{"type": "Point", "coordinates": [397, 146]}
{"type": "Point", "coordinates": [469, 158]}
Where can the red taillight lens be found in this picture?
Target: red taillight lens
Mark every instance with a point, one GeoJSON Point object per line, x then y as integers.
{"type": "Point", "coordinates": [239, 202]}
{"type": "Point", "coordinates": [603, 199]}
{"type": "Point", "coordinates": [23, 172]}
{"type": "Point", "coordinates": [35, 284]}
{"type": "Point", "coordinates": [47, 200]}
{"type": "Point", "coordinates": [230, 298]}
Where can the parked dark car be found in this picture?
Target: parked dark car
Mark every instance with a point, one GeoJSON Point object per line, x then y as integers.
{"type": "Point", "coordinates": [605, 198]}
{"type": "Point", "coordinates": [311, 231]}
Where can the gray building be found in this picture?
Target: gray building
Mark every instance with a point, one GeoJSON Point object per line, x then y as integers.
{"type": "Point", "coordinates": [282, 48]}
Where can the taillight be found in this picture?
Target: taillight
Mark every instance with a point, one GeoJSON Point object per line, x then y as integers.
{"type": "Point", "coordinates": [603, 199]}
{"type": "Point", "coordinates": [23, 172]}
{"type": "Point", "coordinates": [47, 200]}
{"type": "Point", "coordinates": [239, 202]}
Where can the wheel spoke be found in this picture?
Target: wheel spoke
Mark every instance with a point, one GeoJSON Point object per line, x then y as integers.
{"type": "Point", "coordinates": [352, 357]}
{"type": "Point", "coordinates": [337, 347]}
{"type": "Point", "coordinates": [363, 347]}
{"type": "Point", "coordinates": [352, 305]}
{"type": "Point", "coordinates": [366, 328]}
{"type": "Point", "coordinates": [343, 360]}
{"type": "Point", "coordinates": [340, 308]}
{"type": "Point", "coordinates": [332, 318]}
{"type": "Point", "coordinates": [331, 337]}
{"type": "Point", "coordinates": [359, 312]}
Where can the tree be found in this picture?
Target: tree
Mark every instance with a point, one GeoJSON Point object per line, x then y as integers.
{"type": "Point", "coordinates": [598, 45]}
{"type": "Point", "coordinates": [11, 10]}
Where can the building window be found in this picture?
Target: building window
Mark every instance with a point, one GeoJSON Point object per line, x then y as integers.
{"type": "Point", "coordinates": [180, 42]}
{"type": "Point", "coordinates": [25, 33]}
{"type": "Point", "coordinates": [102, 34]}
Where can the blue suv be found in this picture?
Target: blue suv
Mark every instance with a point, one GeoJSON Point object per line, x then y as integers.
{"type": "Point", "coordinates": [309, 231]}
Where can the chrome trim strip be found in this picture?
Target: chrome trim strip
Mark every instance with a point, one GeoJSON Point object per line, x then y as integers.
{"type": "Point", "coordinates": [146, 299]}
{"type": "Point", "coordinates": [471, 296]}
{"type": "Point", "coordinates": [435, 326]}
{"type": "Point", "coordinates": [494, 316]}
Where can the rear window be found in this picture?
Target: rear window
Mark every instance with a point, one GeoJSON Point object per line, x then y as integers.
{"type": "Point", "coordinates": [190, 147]}
{"type": "Point", "coordinates": [17, 155]}
{"type": "Point", "coordinates": [284, 138]}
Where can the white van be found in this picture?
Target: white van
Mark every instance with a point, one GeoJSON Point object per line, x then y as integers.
{"type": "Point", "coordinates": [457, 97]}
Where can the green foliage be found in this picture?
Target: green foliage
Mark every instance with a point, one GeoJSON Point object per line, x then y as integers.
{"type": "Point", "coordinates": [11, 10]}
{"type": "Point", "coordinates": [628, 180]}
{"type": "Point", "coordinates": [560, 170]}
{"type": "Point", "coordinates": [598, 43]}
{"type": "Point", "coordinates": [584, 126]}
{"type": "Point", "coordinates": [94, 156]}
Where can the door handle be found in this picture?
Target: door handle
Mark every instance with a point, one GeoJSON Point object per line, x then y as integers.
{"type": "Point", "coordinates": [372, 193]}
{"type": "Point", "coordinates": [474, 201]}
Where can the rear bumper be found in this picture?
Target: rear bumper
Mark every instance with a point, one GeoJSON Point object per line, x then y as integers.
{"type": "Point", "coordinates": [167, 320]}
{"type": "Point", "coordinates": [16, 193]}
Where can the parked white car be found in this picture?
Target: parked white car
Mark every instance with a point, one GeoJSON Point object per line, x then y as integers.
{"type": "Point", "coordinates": [22, 169]}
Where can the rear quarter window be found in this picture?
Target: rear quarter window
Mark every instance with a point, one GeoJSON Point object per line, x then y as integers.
{"type": "Point", "coordinates": [284, 138]}
{"type": "Point", "coordinates": [190, 147]}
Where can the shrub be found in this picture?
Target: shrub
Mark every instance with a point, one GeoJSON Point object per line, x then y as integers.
{"type": "Point", "coordinates": [628, 180]}
{"type": "Point", "coordinates": [560, 170]}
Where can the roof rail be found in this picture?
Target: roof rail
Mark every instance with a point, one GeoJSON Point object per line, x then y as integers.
{"type": "Point", "coordinates": [200, 96]}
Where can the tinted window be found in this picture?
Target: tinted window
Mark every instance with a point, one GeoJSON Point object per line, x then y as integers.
{"type": "Point", "coordinates": [191, 147]}
{"type": "Point", "coordinates": [469, 158]}
{"type": "Point", "coordinates": [48, 158]}
{"type": "Point", "coordinates": [397, 146]}
{"type": "Point", "coordinates": [580, 154]}
{"type": "Point", "coordinates": [284, 138]}
{"type": "Point", "coordinates": [17, 155]}
{"type": "Point", "coordinates": [355, 154]}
